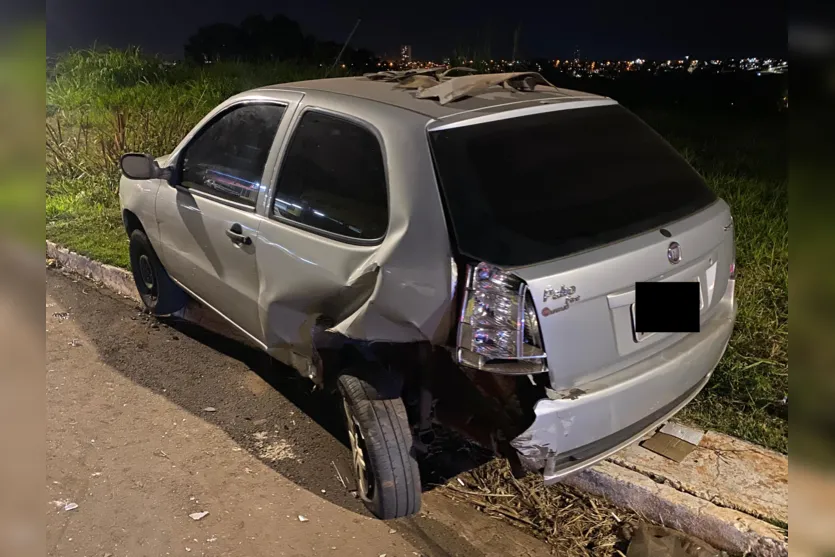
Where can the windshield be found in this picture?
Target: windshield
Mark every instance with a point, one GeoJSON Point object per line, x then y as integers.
{"type": "Point", "coordinates": [525, 190]}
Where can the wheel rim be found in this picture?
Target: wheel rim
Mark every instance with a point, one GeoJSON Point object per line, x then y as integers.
{"type": "Point", "coordinates": [358, 454]}
{"type": "Point", "coordinates": [146, 274]}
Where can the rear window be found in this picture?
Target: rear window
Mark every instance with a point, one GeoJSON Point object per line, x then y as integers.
{"type": "Point", "coordinates": [525, 190]}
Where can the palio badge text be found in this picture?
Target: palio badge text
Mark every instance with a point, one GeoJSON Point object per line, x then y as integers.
{"type": "Point", "coordinates": [568, 301]}
{"type": "Point", "coordinates": [556, 294]}
{"type": "Point", "coordinates": [553, 294]}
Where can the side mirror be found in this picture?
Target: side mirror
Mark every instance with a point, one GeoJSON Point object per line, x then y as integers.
{"type": "Point", "coordinates": [139, 166]}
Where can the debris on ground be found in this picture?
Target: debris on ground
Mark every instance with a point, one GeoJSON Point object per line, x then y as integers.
{"type": "Point", "coordinates": [70, 506]}
{"type": "Point", "coordinates": [198, 515]}
{"type": "Point", "coordinates": [338, 475]}
{"type": "Point", "coordinates": [573, 522]}
{"type": "Point", "coordinates": [303, 518]}
{"type": "Point", "coordinates": [210, 409]}
{"type": "Point", "coordinates": [650, 540]}
{"type": "Point", "coordinates": [669, 446]}
{"type": "Point", "coordinates": [74, 342]}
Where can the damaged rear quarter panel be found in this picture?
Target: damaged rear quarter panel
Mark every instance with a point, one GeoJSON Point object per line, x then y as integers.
{"type": "Point", "coordinates": [397, 290]}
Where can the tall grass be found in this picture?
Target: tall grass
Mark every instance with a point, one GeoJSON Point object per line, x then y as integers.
{"type": "Point", "coordinates": [103, 103]}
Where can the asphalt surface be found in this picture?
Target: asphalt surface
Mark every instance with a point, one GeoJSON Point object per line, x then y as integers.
{"type": "Point", "coordinates": [177, 418]}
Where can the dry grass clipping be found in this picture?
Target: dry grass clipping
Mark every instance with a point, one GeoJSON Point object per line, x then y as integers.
{"type": "Point", "coordinates": [573, 522]}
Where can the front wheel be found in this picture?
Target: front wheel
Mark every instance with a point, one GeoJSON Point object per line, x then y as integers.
{"type": "Point", "coordinates": [159, 293]}
{"type": "Point", "coordinates": [385, 469]}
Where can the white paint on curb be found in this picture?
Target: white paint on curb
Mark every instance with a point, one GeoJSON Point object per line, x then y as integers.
{"type": "Point", "coordinates": [115, 279]}
{"type": "Point", "coordinates": [659, 501]}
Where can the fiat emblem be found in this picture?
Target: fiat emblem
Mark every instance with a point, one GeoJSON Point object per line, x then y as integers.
{"type": "Point", "coordinates": [674, 253]}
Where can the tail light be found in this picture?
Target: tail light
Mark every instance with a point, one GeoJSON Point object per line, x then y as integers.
{"type": "Point", "coordinates": [498, 329]}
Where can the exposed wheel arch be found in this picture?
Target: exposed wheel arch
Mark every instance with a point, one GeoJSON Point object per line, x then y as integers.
{"type": "Point", "coordinates": [131, 221]}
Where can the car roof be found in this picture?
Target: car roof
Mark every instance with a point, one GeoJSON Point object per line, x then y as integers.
{"type": "Point", "coordinates": [388, 93]}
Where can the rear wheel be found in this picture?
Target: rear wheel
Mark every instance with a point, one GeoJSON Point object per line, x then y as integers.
{"type": "Point", "coordinates": [159, 293]}
{"type": "Point", "coordinates": [385, 469]}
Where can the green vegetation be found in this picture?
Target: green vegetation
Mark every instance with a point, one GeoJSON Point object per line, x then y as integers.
{"type": "Point", "coordinates": [102, 104]}
{"type": "Point", "coordinates": [743, 160]}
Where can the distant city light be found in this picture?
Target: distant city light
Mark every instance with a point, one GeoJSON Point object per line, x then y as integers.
{"type": "Point", "coordinates": [599, 69]}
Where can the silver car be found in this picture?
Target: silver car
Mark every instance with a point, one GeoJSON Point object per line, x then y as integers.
{"type": "Point", "coordinates": [470, 258]}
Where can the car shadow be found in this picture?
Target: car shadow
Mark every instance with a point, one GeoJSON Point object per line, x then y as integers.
{"type": "Point", "coordinates": [448, 454]}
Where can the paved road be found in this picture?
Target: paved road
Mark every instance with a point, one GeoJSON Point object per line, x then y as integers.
{"type": "Point", "coordinates": [149, 422]}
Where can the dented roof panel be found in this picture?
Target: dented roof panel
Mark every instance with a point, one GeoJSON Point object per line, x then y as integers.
{"type": "Point", "coordinates": [389, 92]}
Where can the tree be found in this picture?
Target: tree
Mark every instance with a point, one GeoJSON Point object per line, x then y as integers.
{"type": "Point", "coordinates": [278, 39]}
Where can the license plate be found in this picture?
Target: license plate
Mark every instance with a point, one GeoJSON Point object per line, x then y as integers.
{"type": "Point", "coordinates": [642, 336]}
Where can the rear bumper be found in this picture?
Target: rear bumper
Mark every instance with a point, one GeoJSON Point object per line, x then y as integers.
{"type": "Point", "coordinates": [605, 415]}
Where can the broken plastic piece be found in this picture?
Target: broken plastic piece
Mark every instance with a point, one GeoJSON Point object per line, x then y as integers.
{"type": "Point", "coordinates": [459, 87]}
{"type": "Point", "coordinates": [668, 446]}
{"type": "Point", "coordinates": [198, 515]}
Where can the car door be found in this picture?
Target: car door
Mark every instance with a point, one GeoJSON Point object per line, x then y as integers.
{"type": "Point", "coordinates": [327, 218]}
{"type": "Point", "coordinates": [207, 220]}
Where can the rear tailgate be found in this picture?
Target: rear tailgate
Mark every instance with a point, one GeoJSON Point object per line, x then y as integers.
{"type": "Point", "coordinates": [589, 333]}
{"type": "Point", "coordinates": [573, 199]}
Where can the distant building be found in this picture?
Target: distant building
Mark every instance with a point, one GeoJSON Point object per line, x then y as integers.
{"type": "Point", "coordinates": [406, 54]}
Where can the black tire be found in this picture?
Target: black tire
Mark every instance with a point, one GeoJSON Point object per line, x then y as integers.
{"type": "Point", "coordinates": [159, 293]}
{"type": "Point", "coordinates": [393, 479]}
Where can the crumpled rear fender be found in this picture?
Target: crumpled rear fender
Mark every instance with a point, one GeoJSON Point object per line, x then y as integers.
{"type": "Point", "coordinates": [398, 290]}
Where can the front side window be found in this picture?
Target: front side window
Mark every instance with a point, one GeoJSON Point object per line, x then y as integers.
{"type": "Point", "coordinates": [227, 157]}
{"type": "Point", "coordinates": [333, 179]}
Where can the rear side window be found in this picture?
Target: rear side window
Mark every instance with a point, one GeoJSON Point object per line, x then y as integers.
{"type": "Point", "coordinates": [227, 157]}
{"type": "Point", "coordinates": [524, 190]}
{"type": "Point", "coordinates": [333, 179]}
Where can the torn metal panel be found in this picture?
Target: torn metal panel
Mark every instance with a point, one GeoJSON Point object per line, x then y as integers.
{"type": "Point", "coordinates": [459, 87]}
{"type": "Point", "coordinates": [417, 82]}
{"type": "Point", "coordinates": [397, 75]}
{"type": "Point", "coordinates": [465, 69]}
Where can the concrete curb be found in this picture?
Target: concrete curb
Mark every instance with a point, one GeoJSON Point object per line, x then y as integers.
{"type": "Point", "coordinates": [685, 496]}
{"type": "Point", "coordinates": [115, 279]}
{"type": "Point", "coordinates": [721, 527]}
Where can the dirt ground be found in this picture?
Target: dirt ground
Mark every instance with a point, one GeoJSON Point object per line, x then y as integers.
{"type": "Point", "coordinates": [149, 422]}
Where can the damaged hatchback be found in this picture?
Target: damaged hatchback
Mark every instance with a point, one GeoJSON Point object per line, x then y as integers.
{"type": "Point", "coordinates": [462, 250]}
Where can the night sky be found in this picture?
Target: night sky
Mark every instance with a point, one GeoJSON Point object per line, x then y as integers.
{"type": "Point", "coordinates": [601, 29]}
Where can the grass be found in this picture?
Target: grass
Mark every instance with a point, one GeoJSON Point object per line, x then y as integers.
{"type": "Point", "coordinates": [92, 230]}
{"type": "Point", "coordinates": [743, 160]}
{"type": "Point", "coordinates": [100, 105]}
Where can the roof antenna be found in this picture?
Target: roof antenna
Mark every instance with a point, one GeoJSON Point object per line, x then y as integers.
{"type": "Point", "coordinates": [344, 46]}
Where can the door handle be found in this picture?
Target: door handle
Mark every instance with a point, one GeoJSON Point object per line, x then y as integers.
{"type": "Point", "coordinates": [235, 233]}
